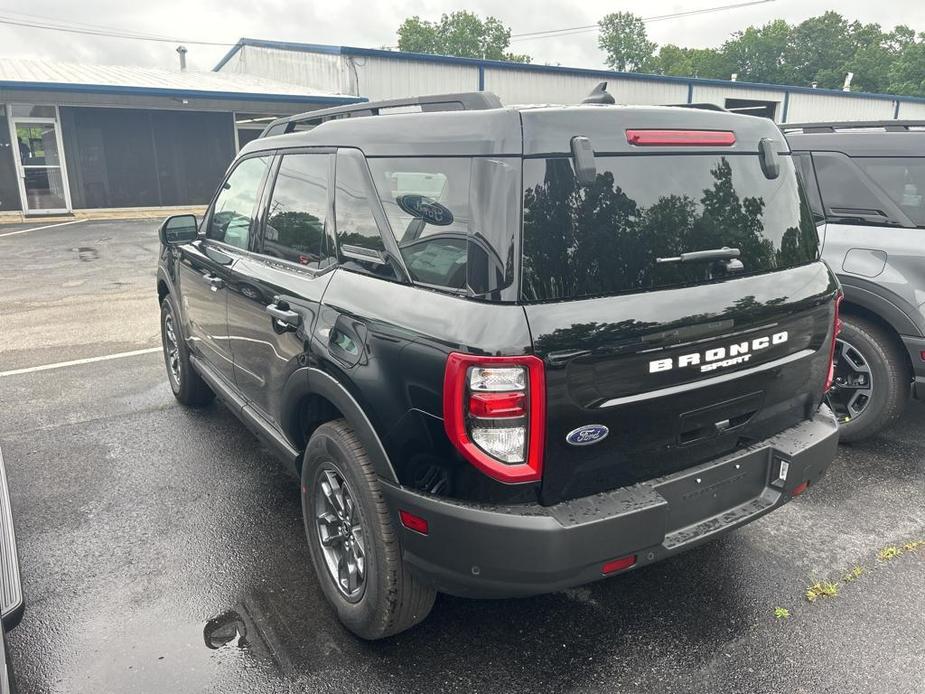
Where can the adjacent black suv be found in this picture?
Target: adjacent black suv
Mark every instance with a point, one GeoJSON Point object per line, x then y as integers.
{"type": "Point", "coordinates": [509, 350]}
{"type": "Point", "coordinates": [866, 185]}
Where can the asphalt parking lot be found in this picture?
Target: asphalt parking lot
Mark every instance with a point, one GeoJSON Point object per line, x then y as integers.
{"type": "Point", "coordinates": [162, 549]}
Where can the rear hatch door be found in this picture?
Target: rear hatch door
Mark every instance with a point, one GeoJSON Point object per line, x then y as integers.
{"type": "Point", "coordinates": [655, 365]}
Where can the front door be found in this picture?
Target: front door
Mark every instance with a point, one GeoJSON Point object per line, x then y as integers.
{"type": "Point", "coordinates": [40, 166]}
{"type": "Point", "coordinates": [206, 264]}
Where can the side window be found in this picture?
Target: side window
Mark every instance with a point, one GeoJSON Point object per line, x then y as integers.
{"type": "Point", "coordinates": [358, 237]}
{"type": "Point", "coordinates": [848, 198]}
{"type": "Point", "coordinates": [233, 217]}
{"type": "Point", "coordinates": [297, 211]}
{"type": "Point", "coordinates": [804, 167]}
{"type": "Point", "coordinates": [902, 179]}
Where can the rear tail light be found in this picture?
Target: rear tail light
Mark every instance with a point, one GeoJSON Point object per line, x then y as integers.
{"type": "Point", "coordinates": [830, 377]}
{"type": "Point", "coordinates": [494, 411]}
{"type": "Point", "coordinates": [681, 138]}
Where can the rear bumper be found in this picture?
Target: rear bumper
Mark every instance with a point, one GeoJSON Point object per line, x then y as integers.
{"type": "Point", "coordinates": [11, 599]}
{"type": "Point", "coordinates": [916, 348]}
{"type": "Point", "coordinates": [493, 551]}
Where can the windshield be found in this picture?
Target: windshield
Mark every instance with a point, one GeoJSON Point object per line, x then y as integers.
{"type": "Point", "coordinates": [455, 220]}
{"type": "Point", "coordinates": [615, 235]}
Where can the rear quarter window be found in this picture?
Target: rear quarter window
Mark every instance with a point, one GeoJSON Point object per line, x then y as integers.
{"type": "Point", "coordinates": [606, 238]}
{"type": "Point", "coordinates": [455, 219]}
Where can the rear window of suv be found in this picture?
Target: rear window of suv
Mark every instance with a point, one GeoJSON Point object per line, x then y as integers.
{"type": "Point", "coordinates": [605, 238]}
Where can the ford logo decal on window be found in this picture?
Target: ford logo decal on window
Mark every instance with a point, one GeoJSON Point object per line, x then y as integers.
{"type": "Point", "coordinates": [588, 434]}
{"type": "Point", "coordinates": [424, 208]}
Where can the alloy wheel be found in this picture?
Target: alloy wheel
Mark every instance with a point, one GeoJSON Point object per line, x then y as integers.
{"type": "Point", "coordinates": [340, 532]}
{"type": "Point", "coordinates": [172, 350]}
{"type": "Point", "coordinates": [852, 386]}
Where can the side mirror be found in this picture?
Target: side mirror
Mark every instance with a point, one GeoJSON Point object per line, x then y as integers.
{"type": "Point", "coordinates": [179, 229]}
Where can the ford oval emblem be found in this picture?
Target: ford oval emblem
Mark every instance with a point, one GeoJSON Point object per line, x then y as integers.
{"type": "Point", "coordinates": [588, 434]}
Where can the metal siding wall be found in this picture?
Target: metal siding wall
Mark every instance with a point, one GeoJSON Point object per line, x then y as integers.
{"type": "Point", "coordinates": [320, 71]}
{"type": "Point", "coordinates": [809, 108]}
{"type": "Point", "coordinates": [531, 87]}
{"type": "Point", "coordinates": [382, 78]}
{"type": "Point", "coordinates": [911, 111]}
{"type": "Point", "coordinates": [647, 92]}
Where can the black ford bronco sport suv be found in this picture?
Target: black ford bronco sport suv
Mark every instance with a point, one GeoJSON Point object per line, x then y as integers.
{"type": "Point", "coordinates": [509, 350]}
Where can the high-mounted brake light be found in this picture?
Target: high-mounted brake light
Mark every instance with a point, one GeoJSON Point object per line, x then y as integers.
{"type": "Point", "coordinates": [681, 138]}
{"type": "Point", "coordinates": [494, 412]}
{"type": "Point", "coordinates": [830, 376]}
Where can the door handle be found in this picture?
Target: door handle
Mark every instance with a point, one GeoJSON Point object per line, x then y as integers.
{"type": "Point", "coordinates": [215, 283]}
{"type": "Point", "coordinates": [286, 316]}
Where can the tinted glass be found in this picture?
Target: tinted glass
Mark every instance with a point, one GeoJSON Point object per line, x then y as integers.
{"type": "Point", "coordinates": [902, 179]}
{"type": "Point", "coordinates": [847, 196]}
{"type": "Point", "coordinates": [804, 166]}
{"type": "Point", "coordinates": [606, 238]}
{"type": "Point", "coordinates": [297, 211]}
{"type": "Point", "coordinates": [357, 232]}
{"type": "Point", "coordinates": [232, 219]}
{"type": "Point", "coordinates": [455, 219]}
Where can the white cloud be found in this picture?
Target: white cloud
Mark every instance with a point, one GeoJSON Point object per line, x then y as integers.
{"type": "Point", "coordinates": [373, 24]}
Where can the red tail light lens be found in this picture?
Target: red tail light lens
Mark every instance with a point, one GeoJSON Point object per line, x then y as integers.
{"type": "Point", "coordinates": [494, 412]}
{"type": "Point", "coordinates": [681, 138]}
{"type": "Point", "coordinates": [830, 377]}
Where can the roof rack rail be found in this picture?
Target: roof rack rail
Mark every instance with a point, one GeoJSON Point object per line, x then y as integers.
{"type": "Point", "coordinates": [463, 101]}
{"type": "Point", "coordinates": [831, 127]}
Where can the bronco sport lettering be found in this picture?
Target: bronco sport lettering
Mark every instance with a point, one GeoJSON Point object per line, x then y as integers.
{"type": "Point", "coordinates": [715, 358]}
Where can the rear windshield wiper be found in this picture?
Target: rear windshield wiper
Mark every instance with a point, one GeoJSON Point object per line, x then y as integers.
{"type": "Point", "coordinates": [724, 253]}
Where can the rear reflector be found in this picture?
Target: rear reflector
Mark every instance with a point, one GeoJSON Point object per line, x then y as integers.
{"type": "Point", "coordinates": [618, 564]}
{"type": "Point", "coordinates": [922, 354]}
{"type": "Point", "coordinates": [413, 522]}
{"type": "Point", "coordinates": [799, 489]}
{"type": "Point", "coordinates": [681, 138]}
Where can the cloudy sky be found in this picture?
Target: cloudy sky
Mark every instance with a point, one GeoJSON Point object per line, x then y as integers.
{"type": "Point", "coordinates": [373, 24]}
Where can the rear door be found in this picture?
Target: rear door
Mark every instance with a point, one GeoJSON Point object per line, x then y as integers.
{"type": "Point", "coordinates": [681, 361]}
{"type": "Point", "coordinates": [205, 265]}
{"type": "Point", "coordinates": [274, 293]}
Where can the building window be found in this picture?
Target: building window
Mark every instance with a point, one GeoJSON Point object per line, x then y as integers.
{"type": "Point", "coordinates": [753, 107]}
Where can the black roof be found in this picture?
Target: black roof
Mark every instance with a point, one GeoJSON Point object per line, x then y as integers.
{"type": "Point", "coordinates": [466, 124]}
{"type": "Point", "coordinates": [889, 138]}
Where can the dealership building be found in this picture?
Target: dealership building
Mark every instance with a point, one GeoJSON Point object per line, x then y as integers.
{"type": "Point", "coordinates": [92, 137]}
{"type": "Point", "coordinates": [78, 138]}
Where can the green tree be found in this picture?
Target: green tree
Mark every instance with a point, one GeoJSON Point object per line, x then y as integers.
{"type": "Point", "coordinates": [907, 74]}
{"type": "Point", "coordinates": [463, 34]}
{"type": "Point", "coordinates": [757, 54]}
{"type": "Point", "coordinates": [624, 39]}
{"type": "Point", "coordinates": [692, 62]}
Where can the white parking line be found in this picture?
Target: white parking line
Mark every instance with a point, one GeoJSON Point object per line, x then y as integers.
{"type": "Point", "coordinates": [77, 362]}
{"type": "Point", "coordinates": [47, 226]}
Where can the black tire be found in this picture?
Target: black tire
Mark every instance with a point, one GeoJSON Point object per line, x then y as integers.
{"type": "Point", "coordinates": [889, 379]}
{"type": "Point", "coordinates": [187, 385]}
{"type": "Point", "coordinates": [392, 599]}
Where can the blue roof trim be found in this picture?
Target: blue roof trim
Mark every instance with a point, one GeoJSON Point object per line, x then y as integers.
{"type": "Point", "coordinates": [184, 93]}
{"type": "Point", "coordinates": [531, 67]}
